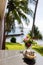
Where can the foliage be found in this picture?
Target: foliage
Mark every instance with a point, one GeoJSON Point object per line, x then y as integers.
{"type": "Point", "coordinates": [13, 40]}
{"type": "Point", "coordinates": [38, 48]}
{"type": "Point", "coordinates": [37, 34]}
{"type": "Point", "coordinates": [28, 41]}
{"type": "Point", "coordinates": [8, 22]}
{"type": "Point", "coordinates": [14, 46]}
{"type": "Point", "coordinates": [28, 36]}
{"type": "Point", "coordinates": [17, 8]}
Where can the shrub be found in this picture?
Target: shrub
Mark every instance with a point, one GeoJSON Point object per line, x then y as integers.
{"type": "Point", "coordinates": [13, 39]}
{"type": "Point", "coordinates": [37, 34]}
{"type": "Point", "coordinates": [28, 42]}
{"type": "Point", "coordinates": [28, 36]}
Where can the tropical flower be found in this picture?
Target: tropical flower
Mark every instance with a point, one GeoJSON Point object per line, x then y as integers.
{"type": "Point", "coordinates": [27, 41]}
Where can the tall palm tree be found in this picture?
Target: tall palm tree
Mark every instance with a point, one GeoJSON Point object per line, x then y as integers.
{"type": "Point", "coordinates": [2, 8]}
{"type": "Point", "coordinates": [18, 8]}
{"type": "Point", "coordinates": [34, 16]}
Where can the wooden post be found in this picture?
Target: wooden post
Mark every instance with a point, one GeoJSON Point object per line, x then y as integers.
{"type": "Point", "coordinates": [2, 11]}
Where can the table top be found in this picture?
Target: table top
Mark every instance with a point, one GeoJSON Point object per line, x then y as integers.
{"type": "Point", "coordinates": [17, 58]}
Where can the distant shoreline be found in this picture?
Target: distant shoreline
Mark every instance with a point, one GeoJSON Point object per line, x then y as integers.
{"type": "Point", "coordinates": [14, 35]}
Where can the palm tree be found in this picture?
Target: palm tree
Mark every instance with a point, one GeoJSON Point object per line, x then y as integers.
{"type": "Point", "coordinates": [17, 8]}
{"type": "Point", "coordinates": [2, 8]}
{"type": "Point", "coordinates": [36, 1]}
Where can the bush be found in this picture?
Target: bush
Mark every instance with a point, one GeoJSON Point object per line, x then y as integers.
{"type": "Point", "coordinates": [37, 34]}
{"type": "Point", "coordinates": [28, 36]}
{"type": "Point", "coordinates": [13, 39]}
{"type": "Point", "coordinates": [40, 36]}
{"type": "Point", "coordinates": [28, 42]}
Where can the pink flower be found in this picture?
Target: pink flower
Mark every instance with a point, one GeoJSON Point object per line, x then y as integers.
{"type": "Point", "coordinates": [26, 39]}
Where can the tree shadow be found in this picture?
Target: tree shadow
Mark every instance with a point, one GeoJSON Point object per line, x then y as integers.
{"type": "Point", "coordinates": [28, 61]}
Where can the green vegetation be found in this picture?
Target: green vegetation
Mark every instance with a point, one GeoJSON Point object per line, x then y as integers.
{"type": "Point", "coordinates": [14, 46]}
{"type": "Point", "coordinates": [15, 8]}
{"type": "Point", "coordinates": [13, 40]}
{"type": "Point", "coordinates": [28, 36]}
{"type": "Point", "coordinates": [38, 48]}
{"type": "Point", "coordinates": [28, 41]}
{"type": "Point", "coordinates": [37, 34]}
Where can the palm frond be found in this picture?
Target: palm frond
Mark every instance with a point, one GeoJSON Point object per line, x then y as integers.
{"type": "Point", "coordinates": [23, 16]}
{"type": "Point", "coordinates": [16, 16]}
{"type": "Point", "coordinates": [16, 6]}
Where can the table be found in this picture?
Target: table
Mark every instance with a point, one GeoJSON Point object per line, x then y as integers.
{"type": "Point", "coordinates": [15, 57]}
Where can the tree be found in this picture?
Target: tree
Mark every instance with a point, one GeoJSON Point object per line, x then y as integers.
{"type": "Point", "coordinates": [17, 8]}
{"type": "Point", "coordinates": [37, 34]}
{"type": "Point", "coordinates": [19, 5]}
{"type": "Point", "coordinates": [9, 21]}
{"type": "Point", "coordinates": [34, 16]}
{"type": "Point", "coordinates": [2, 9]}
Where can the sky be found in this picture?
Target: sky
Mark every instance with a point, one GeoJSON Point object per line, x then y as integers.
{"type": "Point", "coordinates": [39, 16]}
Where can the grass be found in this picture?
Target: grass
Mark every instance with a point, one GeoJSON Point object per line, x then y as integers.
{"type": "Point", "coordinates": [38, 48]}
{"type": "Point", "coordinates": [14, 46]}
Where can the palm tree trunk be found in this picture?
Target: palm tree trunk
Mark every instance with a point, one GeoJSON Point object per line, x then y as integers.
{"type": "Point", "coordinates": [34, 18]}
{"type": "Point", "coordinates": [2, 9]}
{"type": "Point", "coordinates": [22, 28]}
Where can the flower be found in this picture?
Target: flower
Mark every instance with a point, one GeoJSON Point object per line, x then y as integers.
{"type": "Point", "coordinates": [27, 41]}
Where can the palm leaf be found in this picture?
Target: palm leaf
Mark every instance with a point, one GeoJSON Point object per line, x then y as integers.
{"type": "Point", "coordinates": [23, 16]}
{"type": "Point", "coordinates": [16, 16]}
